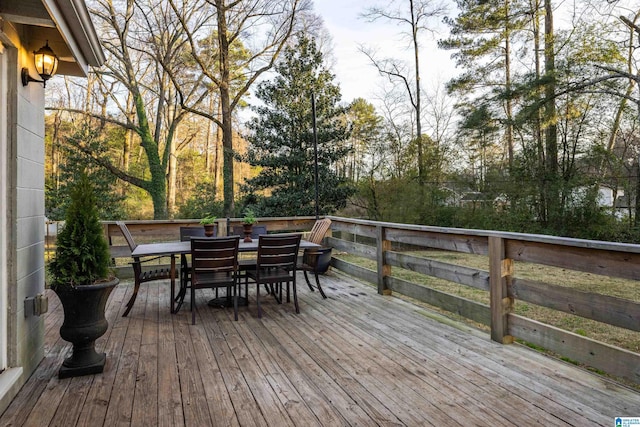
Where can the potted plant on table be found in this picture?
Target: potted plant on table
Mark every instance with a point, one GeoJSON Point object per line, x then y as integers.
{"type": "Point", "coordinates": [247, 223]}
{"type": "Point", "coordinates": [209, 223]}
{"type": "Point", "coordinates": [82, 279]}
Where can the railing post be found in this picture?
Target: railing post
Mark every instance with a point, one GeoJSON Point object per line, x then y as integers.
{"type": "Point", "coordinates": [384, 270]}
{"type": "Point", "coordinates": [500, 273]}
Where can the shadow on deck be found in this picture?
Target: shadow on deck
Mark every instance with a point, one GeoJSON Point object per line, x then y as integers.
{"type": "Point", "coordinates": [356, 358]}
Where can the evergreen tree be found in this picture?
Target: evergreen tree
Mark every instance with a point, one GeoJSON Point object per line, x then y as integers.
{"type": "Point", "coordinates": [82, 254]}
{"type": "Point", "coordinates": [282, 142]}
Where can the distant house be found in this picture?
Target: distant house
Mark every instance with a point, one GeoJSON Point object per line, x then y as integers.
{"type": "Point", "coordinates": [625, 206]}
{"type": "Point", "coordinates": [27, 26]}
{"type": "Point", "coordinates": [476, 199]}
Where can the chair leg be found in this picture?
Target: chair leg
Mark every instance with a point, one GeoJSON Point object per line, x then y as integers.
{"type": "Point", "coordinates": [132, 299]}
{"type": "Point", "coordinates": [288, 293]}
{"type": "Point", "coordinates": [306, 277]}
{"type": "Point", "coordinates": [319, 286]}
{"type": "Point", "coordinates": [236, 291]}
{"type": "Point", "coordinates": [258, 301]}
{"type": "Point", "coordinates": [193, 297]}
{"type": "Point", "coordinates": [295, 296]}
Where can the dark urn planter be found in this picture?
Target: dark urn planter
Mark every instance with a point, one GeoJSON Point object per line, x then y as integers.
{"type": "Point", "coordinates": [84, 322]}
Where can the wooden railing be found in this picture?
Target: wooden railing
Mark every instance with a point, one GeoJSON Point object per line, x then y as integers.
{"type": "Point", "coordinates": [376, 240]}
{"type": "Point", "coordinates": [387, 243]}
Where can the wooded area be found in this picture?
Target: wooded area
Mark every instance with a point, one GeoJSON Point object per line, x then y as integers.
{"type": "Point", "coordinates": [537, 126]}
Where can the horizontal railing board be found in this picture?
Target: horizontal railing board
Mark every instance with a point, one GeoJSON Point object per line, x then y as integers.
{"type": "Point", "coordinates": [352, 248]}
{"type": "Point", "coordinates": [171, 228]}
{"type": "Point", "coordinates": [608, 263]}
{"type": "Point", "coordinates": [455, 273]}
{"type": "Point", "coordinates": [358, 229]}
{"type": "Point", "coordinates": [613, 360]}
{"type": "Point", "coordinates": [541, 238]}
{"type": "Point", "coordinates": [602, 308]}
{"type": "Point", "coordinates": [470, 309]}
{"type": "Point", "coordinates": [355, 270]}
{"type": "Point", "coordinates": [119, 251]}
{"type": "Point", "coordinates": [448, 242]}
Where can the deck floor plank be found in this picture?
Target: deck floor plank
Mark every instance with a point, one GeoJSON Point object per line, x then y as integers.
{"type": "Point", "coordinates": [372, 401]}
{"type": "Point", "coordinates": [194, 403]}
{"type": "Point", "coordinates": [260, 381]}
{"type": "Point", "coordinates": [356, 358]}
{"type": "Point", "coordinates": [170, 411]}
{"type": "Point", "coordinates": [431, 365]}
{"type": "Point", "coordinates": [95, 407]}
{"type": "Point", "coordinates": [310, 373]}
{"type": "Point", "coordinates": [413, 384]}
{"type": "Point", "coordinates": [120, 408]}
{"type": "Point", "coordinates": [558, 399]}
{"type": "Point", "coordinates": [246, 408]}
{"type": "Point", "coordinates": [284, 363]}
{"type": "Point", "coordinates": [442, 348]}
{"type": "Point", "coordinates": [219, 403]}
{"type": "Point", "coordinates": [396, 390]}
{"type": "Point", "coordinates": [145, 411]}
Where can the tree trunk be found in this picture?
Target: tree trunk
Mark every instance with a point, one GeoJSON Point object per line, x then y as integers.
{"type": "Point", "coordinates": [225, 104]}
{"type": "Point", "coordinates": [418, 107]}
{"type": "Point", "coordinates": [551, 130]}
{"type": "Point", "coordinates": [217, 161]}
{"type": "Point", "coordinates": [507, 72]}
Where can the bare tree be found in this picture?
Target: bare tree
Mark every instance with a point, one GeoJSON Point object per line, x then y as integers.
{"type": "Point", "coordinates": [415, 16]}
{"type": "Point", "coordinates": [145, 46]}
{"type": "Point", "coordinates": [259, 27]}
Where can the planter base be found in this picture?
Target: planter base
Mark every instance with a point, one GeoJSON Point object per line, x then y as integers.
{"type": "Point", "coordinates": [74, 370]}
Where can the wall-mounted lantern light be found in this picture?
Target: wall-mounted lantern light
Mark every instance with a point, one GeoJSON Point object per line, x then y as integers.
{"type": "Point", "coordinates": [46, 63]}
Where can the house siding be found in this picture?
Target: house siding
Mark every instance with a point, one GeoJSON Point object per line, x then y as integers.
{"type": "Point", "coordinates": [25, 210]}
{"type": "Point", "coordinates": [29, 222]}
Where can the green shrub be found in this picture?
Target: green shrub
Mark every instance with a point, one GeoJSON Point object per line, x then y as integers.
{"type": "Point", "coordinates": [82, 253]}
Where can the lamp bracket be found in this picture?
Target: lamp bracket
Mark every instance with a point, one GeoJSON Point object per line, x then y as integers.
{"type": "Point", "coordinates": [26, 78]}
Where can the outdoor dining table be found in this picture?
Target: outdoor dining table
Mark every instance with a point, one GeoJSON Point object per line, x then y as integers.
{"type": "Point", "coordinates": [172, 249]}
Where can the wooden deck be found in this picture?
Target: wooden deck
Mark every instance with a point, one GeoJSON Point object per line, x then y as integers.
{"type": "Point", "coordinates": [356, 358]}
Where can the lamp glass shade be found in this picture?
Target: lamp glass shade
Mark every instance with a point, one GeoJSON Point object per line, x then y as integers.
{"type": "Point", "coordinates": [46, 62]}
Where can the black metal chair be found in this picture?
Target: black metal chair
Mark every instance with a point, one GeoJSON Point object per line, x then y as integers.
{"type": "Point", "coordinates": [248, 262]}
{"type": "Point", "coordinates": [276, 266]}
{"type": "Point", "coordinates": [316, 261]}
{"type": "Point", "coordinates": [141, 273]}
{"type": "Point", "coordinates": [186, 233]}
{"type": "Point", "coordinates": [214, 264]}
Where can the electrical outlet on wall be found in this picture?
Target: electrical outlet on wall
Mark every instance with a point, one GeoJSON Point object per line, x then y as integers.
{"type": "Point", "coordinates": [35, 306]}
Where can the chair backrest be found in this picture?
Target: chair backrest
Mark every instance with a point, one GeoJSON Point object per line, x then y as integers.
{"type": "Point", "coordinates": [127, 235]}
{"type": "Point", "coordinates": [278, 250]}
{"type": "Point", "coordinates": [187, 233]}
{"type": "Point", "coordinates": [318, 231]}
{"type": "Point", "coordinates": [214, 255]}
{"type": "Point", "coordinates": [256, 230]}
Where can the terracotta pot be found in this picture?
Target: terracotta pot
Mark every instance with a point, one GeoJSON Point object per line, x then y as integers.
{"type": "Point", "coordinates": [209, 230]}
{"type": "Point", "coordinates": [248, 229]}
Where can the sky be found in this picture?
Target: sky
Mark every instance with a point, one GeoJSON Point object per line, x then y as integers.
{"type": "Point", "coordinates": [354, 72]}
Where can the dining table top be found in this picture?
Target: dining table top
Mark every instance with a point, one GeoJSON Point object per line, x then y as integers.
{"type": "Point", "coordinates": [184, 247]}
